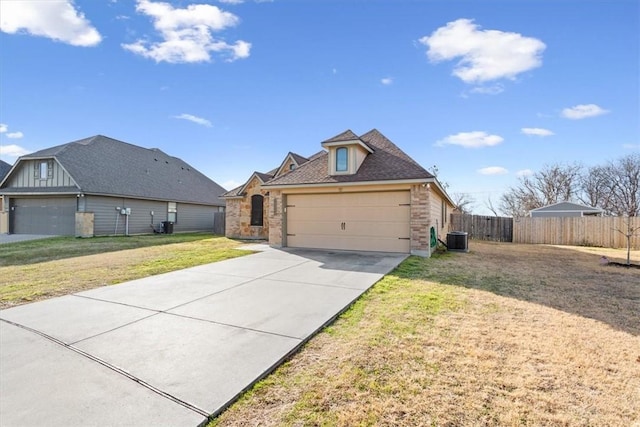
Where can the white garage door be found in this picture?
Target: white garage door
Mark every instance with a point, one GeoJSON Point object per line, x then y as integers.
{"type": "Point", "coordinates": [350, 221]}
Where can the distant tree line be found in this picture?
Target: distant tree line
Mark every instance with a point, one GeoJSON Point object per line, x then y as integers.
{"type": "Point", "coordinates": [613, 187]}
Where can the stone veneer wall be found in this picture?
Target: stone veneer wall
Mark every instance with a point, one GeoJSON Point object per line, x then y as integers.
{"type": "Point", "coordinates": [232, 218]}
{"type": "Point", "coordinates": [275, 218]}
{"type": "Point", "coordinates": [238, 215]}
{"type": "Point", "coordinates": [420, 220]}
{"type": "Point", "coordinates": [84, 224]}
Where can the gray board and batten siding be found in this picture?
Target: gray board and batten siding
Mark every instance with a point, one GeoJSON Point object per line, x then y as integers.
{"type": "Point", "coordinates": [27, 177]}
{"type": "Point", "coordinates": [109, 221]}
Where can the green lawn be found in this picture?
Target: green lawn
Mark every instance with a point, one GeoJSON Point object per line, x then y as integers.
{"type": "Point", "coordinates": [41, 269]}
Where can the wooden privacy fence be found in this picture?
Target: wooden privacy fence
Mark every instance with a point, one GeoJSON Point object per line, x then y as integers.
{"type": "Point", "coordinates": [578, 231]}
{"type": "Point", "coordinates": [218, 223]}
{"type": "Point", "coordinates": [480, 227]}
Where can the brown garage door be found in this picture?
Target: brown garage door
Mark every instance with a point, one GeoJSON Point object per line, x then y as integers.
{"type": "Point", "coordinates": [43, 215]}
{"type": "Point", "coordinates": [350, 221]}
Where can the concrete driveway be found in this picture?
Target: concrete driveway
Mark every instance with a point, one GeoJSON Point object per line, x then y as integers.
{"type": "Point", "coordinates": [172, 349]}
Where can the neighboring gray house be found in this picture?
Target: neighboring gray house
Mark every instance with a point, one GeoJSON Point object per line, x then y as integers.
{"type": "Point", "coordinates": [101, 186]}
{"type": "Point", "coordinates": [565, 209]}
{"type": "Point", "coordinates": [4, 169]}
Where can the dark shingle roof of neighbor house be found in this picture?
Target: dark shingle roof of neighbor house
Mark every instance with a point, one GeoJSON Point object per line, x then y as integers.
{"type": "Point", "coordinates": [4, 169]}
{"type": "Point", "coordinates": [103, 165]}
{"type": "Point", "coordinates": [386, 163]}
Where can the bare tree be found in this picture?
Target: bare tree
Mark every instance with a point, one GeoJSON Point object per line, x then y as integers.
{"type": "Point", "coordinates": [553, 184]}
{"type": "Point", "coordinates": [595, 188]}
{"type": "Point", "coordinates": [463, 201]}
{"type": "Point", "coordinates": [628, 232]}
{"type": "Point", "coordinates": [436, 171]}
{"type": "Point", "coordinates": [624, 185]}
{"type": "Point", "coordinates": [489, 205]}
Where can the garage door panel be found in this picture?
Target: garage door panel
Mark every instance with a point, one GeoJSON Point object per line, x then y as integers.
{"type": "Point", "coordinates": [310, 214]}
{"type": "Point", "coordinates": [376, 199]}
{"type": "Point", "coordinates": [317, 227]}
{"type": "Point", "coordinates": [352, 228]}
{"type": "Point", "coordinates": [49, 215]}
{"type": "Point", "coordinates": [350, 221]}
{"type": "Point", "coordinates": [376, 214]}
{"type": "Point", "coordinates": [380, 244]}
{"type": "Point", "coordinates": [377, 229]}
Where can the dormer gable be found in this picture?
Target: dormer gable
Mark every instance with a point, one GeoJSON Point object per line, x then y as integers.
{"type": "Point", "coordinates": [346, 153]}
{"type": "Point", "coordinates": [291, 162]}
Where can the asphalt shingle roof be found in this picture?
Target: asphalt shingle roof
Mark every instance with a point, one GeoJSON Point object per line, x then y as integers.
{"type": "Point", "coordinates": [567, 206]}
{"type": "Point", "coordinates": [4, 169]}
{"type": "Point", "coordinates": [103, 165]}
{"type": "Point", "coordinates": [386, 163]}
{"type": "Point", "coordinates": [347, 135]}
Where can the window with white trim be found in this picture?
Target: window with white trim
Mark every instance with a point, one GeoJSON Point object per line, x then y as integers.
{"type": "Point", "coordinates": [342, 159]}
{"type": "Point", "coordinates": [172, 212]}
{"type": "Point", "coordinates": [43, 169]}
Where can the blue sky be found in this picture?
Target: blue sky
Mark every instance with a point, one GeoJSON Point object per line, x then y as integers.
{"type": "Point", "coordinates": [485, 90]}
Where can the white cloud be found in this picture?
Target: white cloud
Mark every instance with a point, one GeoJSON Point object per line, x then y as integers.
{"type": "Point", "coordinates": [485, 55]}
{"type": "Point", "coordinates": [55, 19]}
{"type": "Point", "coordinates": [194, 119]}
{"type": "Point", "coordinates": [524, 172]}
{"type": "Point", "coordinates": [583, 111]}
{"type": "Point", "coordinates": [231, 184]}
{"type": "Point", "coordinates": [12, 150]}
{"type": "Point", "coordinates": [387, 81]}
{"type": "Point", "coordinates": [474, 139]}
{"type": "Point", "coordinates": [11, 135]}
{"type": "Point", "coordinates": [631, 146]}
{"type": "Point", "coordinates": [187, 34]}
{"type": "Point", "coordinates": [493, 170]}
{"type": "Point", "coordinates": [488, 90]}
{"type": "Point", "coordinates": [15, 135]}
{"type": "Point", "coordinates": [537, 131]}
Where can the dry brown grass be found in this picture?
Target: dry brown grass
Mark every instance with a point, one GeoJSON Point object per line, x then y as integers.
{"type": "Point", "coordinates": [506, 335]}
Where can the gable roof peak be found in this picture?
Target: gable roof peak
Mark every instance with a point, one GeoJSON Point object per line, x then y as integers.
{"type": "Point", "coordinates": [347, 135]}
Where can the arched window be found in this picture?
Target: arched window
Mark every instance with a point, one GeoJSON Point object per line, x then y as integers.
{"type": "Point", "coordinates": [341, 159]}
{"type": "Point", "coordinates": [257, 210]}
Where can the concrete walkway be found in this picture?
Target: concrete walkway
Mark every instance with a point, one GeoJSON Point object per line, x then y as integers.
{"type": "Point", "coordinates": [172, 349]}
